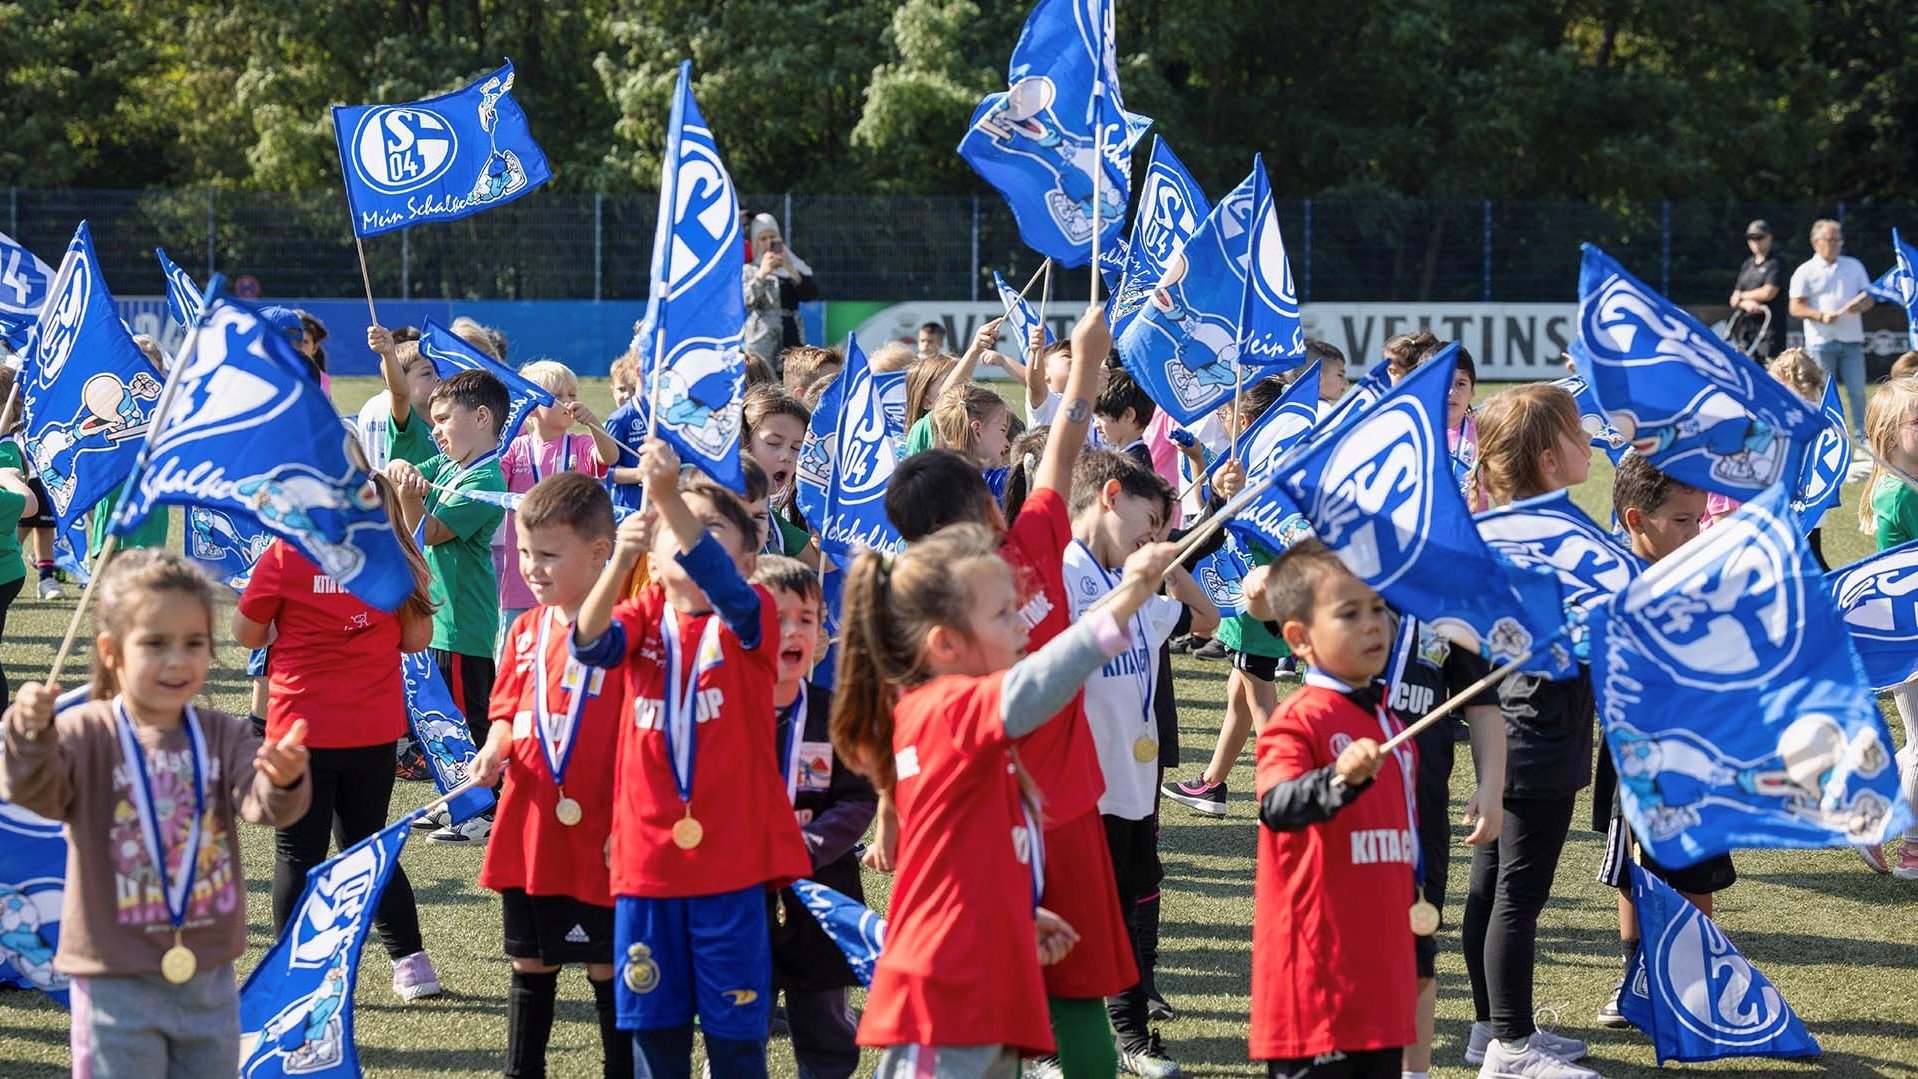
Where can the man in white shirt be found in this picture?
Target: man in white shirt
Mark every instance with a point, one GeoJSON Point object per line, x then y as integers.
{"type": "Point", "coordinates": [1828, 292]}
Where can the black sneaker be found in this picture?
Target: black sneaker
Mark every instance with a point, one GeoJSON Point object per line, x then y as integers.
{"type": "Point", "coordinates": [1196, 793]}
{"type": "Point", "coordinates": [1608, 1014]}
{"type": "Point", "coordinates": [1212, 649]}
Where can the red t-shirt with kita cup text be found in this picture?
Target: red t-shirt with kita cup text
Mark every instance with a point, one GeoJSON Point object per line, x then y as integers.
{"type": "Point", "coordinates": [961, 963]}
{"type": "Point", "coordinates": [530, 849]}
{"type": "Point", "coordinates": [738, 795]}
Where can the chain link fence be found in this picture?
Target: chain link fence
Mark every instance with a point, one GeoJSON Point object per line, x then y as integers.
{"type": "Point", "coordinates": [557, 245]}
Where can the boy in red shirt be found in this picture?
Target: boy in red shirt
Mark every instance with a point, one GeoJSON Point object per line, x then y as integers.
{"type": "Point", "coordinates": [1333, 986]}
{"type": "Point", "coordinates": [554, 733]}
{"type": "Point", "coordinates": [701, 823]}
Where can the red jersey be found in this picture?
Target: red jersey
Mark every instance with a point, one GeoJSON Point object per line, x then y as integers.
{"type": "Point", "coordinates": [1332, 964]}
{"type": "Point", "coordinates": [738, 794]}
{"type": "Point", "coordinates": [529, 848]}
{"type": "Point", "coordinates": [961, 963]}
{"type": "Point", "coordinates": [1060, 756]}
{"type": "Point", "coordinates": [335, 661]}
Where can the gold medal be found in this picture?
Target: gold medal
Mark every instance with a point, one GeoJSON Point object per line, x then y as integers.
{"type": "Point", "coordinates": [568, 811]}
{"type": "Point", "coordinates": [1145, 749]}
{"type": "Point", "coordinates": [177, 963]}
{"type": "Point", "coordinates": [688, 832]}
{"type": "Point", "coordinates": [1425, 918]}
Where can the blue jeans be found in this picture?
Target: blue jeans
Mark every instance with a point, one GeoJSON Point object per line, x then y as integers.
{"type": "Point", "coordinates": [1845, 361]}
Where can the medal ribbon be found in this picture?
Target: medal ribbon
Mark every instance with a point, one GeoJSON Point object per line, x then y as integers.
{"type": "Point", "coordinates": [1402, 659]}
{"type": "Point", "coordinates": [565, 456]}
{"type": "Point", "coordinates": [789, 751]}
{"type": "Point", "coordinates": [557, 742]}
{"type": "Point", "coordinates": [1148, 671]}
{"type": "Point", "coordinates": [1035, 851]}
{"type": "Point", "coordinates": [433, 499]}
{"type": "Point", "coordinates": [178, 888]}
{"type": "Point", "coordinates": [681, 696]}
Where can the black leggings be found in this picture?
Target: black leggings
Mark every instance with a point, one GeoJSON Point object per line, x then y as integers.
{"type": "Point", "coordinates": [351, 789]}
{"type": "Point", "coordinates": [1511, 880]}
{"type": "Point", "coordinates": [8, 593]}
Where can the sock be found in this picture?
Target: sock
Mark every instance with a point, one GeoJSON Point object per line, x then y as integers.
{"type": "Point", "coordinates": [1084, 1036]}
{"type": "Point", "coordinates": [1415, 1075]}
{"type": "Point", "coordinates": [615, 1045]}
{"type": "Point", "coordinates": [1628, 949]}
{"type": "Point", "coordinates": [46, 570]}
{"type": "Point", "coordinates": [529, 1022]}
{"type": "Point", "coordinates": [1516, 1045]}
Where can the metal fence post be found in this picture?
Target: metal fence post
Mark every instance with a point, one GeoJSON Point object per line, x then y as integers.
{"type": "Point", "coordinates": [786, 221]}
{"type": "Point", "coordinates": [975, 249]}
{"type": "Point", "coordinates": [406, 266]}
{"type": "Point", "coordinates": [599, 202]}
{"type": "Point", "coordinates": [13, 211]}
{"type": "Point", "coordinates": [1486, 222]}
{"type": "Point", "coordinates": [211, 224]}
{"type": "Point", "coordinates": [1305, 258]}
{"type": "Point", "coordinates": [1665, 247]}
{"type": "Point", "coordinates": [1841, 214]}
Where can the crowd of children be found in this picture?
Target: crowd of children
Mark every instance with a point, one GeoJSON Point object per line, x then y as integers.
{"type": "Point", "coordinates": [996, 733]}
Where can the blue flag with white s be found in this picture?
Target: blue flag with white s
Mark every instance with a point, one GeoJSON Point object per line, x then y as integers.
{"type": "Point", "coordinates": [1736, 711]}
{"type": "Point", "coordinates": [858, 462]}
{"type": "Point", "coordinates": [1222, 575]}
{"type": "Point", "coordinates": [1827, 465]}
{"type": "Point", "coordinates": [1380, 493]}
{"type": "Point", "coordinates": [1171, 205]}
{"type": "Point", "coordinates": [1271, 336]}
{"type": "Point", "coordinates": [1878, 599]}
{"type": "Point", "coordinates": [296, 1008]}
{"type": "Point", "coordinates": [33, 875]}
{"type": "Point", "coordinates": [449, 355]}
{"type": "Point", "coordinates": [1693, 994]}
{"type": "Point", "coordinates": [87, 392]}
{"type": "Point", "coordinates": [1698, 410]}
{"type": "Point", "coordinates": [439, 728]}
{"type": "Point", "coordinates": [696, 311]}
{"type": "Point", "coordinates": [1270, 518]}
{"type": "Point", "coordinates": [438, 159]}
{"type": "Point", "coordinates": [1365, 393]}
{"type": "Point", "coordinates": [1550, 532]}
{"type": "Point", "coordinates": [1021, 319]}
{"type": "Point", "coordinates": [1592, 419]}
{"type": "Point", "coordinates": [227, 544]}
{"type": "Point", "coordinates": [184, 300]}
{"type": "Point", "coordinates": [858, 930]}
{"type": "Point", "coordinates": [25, 284]}
{"type": "Point", "coordinates": [1037, 142]}
{"type": "Point", "coordinates": [1900, 285]}
{"type": "Point", "coordinates": [249, 434]}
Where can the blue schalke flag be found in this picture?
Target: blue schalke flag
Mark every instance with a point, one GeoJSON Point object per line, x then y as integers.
{"type": "Point", "coordinates": [440, 730]}
{"type": "Point", "coordinates": [1271, 337]}
{"type": "Point", "coordinates": [437, 159]}
{"type": "Point", "coordinates": [1020, 320]}
{"type": "Point", "coordinates": [862, 454]}
{"type": "Point", "coordinates": [1826, 466]}
{"type": "Point", "coordinates": [1702, 413]}
{"type": "Point", "coordinates": [87, 392]}
{"type": "Point", "coordinates": [33, 888]}
{"type": "Point", "coordinates": [1550, 532]}
{"type": "Point", "coordinates": [227, 544]}
{"type": "Point", "coordinates": [1592, 419]}
{"type": "Point", "coordinates": [1899, 285]}
{"type": "Point", "coordinates": [1380, 492]}
{"type": "Point", "coordinates": [25, 284]}
{"type": "Point", "coordinates": [856, 928]}
{"type": "Point", "coordinates": [1171, 205]}
{"type": "Point", "coordinates": [296, 1008]}
{"type": "Point", "coordinates": [1693, 994]}
{"type": "Point", "coordinates": [1878, 599]}
{"type": "Point", "coordinates": [1371, 386]}
{"type": "Point", "coordinates": [1037, 143]}
{"type": "Point", "coordinates": [1735, 708]}
{"type": "Point", "coordinates": [1222, 575]}
{"type": "Point", "coordinates": [696, 311]}
{"type": "Point", "coordinates": [184, 300]}
{"type": "Point", "coordinates": [248, 433]}
{"type": "Point", "coordinates": [1270, 518]}
{"type": "Point", "coordinates": [450, 355]}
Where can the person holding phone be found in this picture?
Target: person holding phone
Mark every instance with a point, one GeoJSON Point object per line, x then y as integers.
{"type": "Point", "coordinates": [1828, 292]}
{"type": "Point", "coordinates": [776, 281]}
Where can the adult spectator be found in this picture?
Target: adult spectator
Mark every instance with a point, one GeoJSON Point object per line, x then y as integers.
{"type": "Point", "coordinates": [1758, 292]}
{"type": "Point", "coordinates": [1828, 292]}
{"type": "Point", "coordinates": [776, 280]}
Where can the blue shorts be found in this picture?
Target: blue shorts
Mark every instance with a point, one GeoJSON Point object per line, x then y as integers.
{"type": "Point", "coordinates": [710, 952]}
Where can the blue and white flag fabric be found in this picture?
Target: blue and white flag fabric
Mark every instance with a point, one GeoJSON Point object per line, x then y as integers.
{"type": "Point", "coordinates": [696, 311]}
{"type": "Point", "coordinates": [87, 392]}
{"type": "Point", "coordinates": [439, 729]}
{"type": "Point", "coordinates": [1366, 392]}
{"type": "Point", "coordinates": [1827, 465]}
{"type": "Point", "coordinates": [1380, 493]}
{"type": "Point", "coordinates": [1270, 519]}
{"type": "Point", "coordinates": [184, 300]}
{"type": "Point", "coordinates": [227, 544]}
{"type": "Point", "coordinates": [1904, 285]}
{"type": "Point", "coordinates": [1593, 421]}
{"type": "Point", "coordinates": [1171, 205]}
{"type": "Point", "coordinates": [249, 434]}
{"type": "Point", "coordinates": [1735, 708]}
{"type": "Point", "coordinates": [1697, 409]}
{"type": "Point", "coordinates": [435, 160]}
{"type": "Point", "coordinates": [449, 355]}
{"type": "Point", "coordinates": [1020, 320]}
{"type": "Point", "coordinates": [296, 1008]}
{"type": "Point", "coordinates": [33, 875]}
{"type": "Point", "coordinates": [842, 478]}
{"type": "Point", "coordinates": [1271, 337]}
{"type": "Point", "coordinates": [1895, 285]}
{"type": "Point", "coordinates": [1222, 574]}
{"type": "Point", "coordinates": [1693, 994]}
{"type": "Point", "coordinates": [1550, 532]}
{"type": "Point", "coordinates": [858, 930]}
{"type": "Point", "coordinates": [1036, 143]}
{"type": "Point", "coordinates": [1878, 599]}
{"type": "Point", "coordinates": [25, 284]}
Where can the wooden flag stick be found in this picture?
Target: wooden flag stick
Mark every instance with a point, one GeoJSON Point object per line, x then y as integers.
{"type": "Point", "coordinates": [365, 278]}
{"type": "Point", "coordinates": [80, 610]}
{"type": "Point", "coordinates": [1457, 701]}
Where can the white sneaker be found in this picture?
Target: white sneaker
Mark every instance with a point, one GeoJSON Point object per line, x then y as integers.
{"type": "Point", "coordinates": [472, 833]}
{"type": "Point", "coordinates": [50, 589]}
{"type": "Point", "coordinates": [433, 821]}
{"type": "Point", "coordinates": [1555, 1044]}
{"type": "Point", "coordinates": [1531, 1062]}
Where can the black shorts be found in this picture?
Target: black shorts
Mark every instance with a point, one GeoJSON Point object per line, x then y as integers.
{"type": "Point", "coordinates": [43, 519]}
{"type": "Point", "coordinates": [1714, 874]}
{"type": "Point", "coordinates": [1263, 668]}
{"type": "Point", "coordinates": [556, 929]}
{"type": "Point", "coordinates": [1365, 1064]}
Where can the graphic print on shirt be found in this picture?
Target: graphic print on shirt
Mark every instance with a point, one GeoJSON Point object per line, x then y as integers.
{"type": "Point", "coordinates": [140, 893]}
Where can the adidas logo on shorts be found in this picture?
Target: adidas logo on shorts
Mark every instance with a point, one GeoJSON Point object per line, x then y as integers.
{"type": "Point", "coordinates": [577, 935]}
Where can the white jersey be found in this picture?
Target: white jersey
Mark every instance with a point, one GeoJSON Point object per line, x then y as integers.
{"type": "Point", "coordinates": [376, 415]}
{"type": "Point", "coordinates": [1119, 697]}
